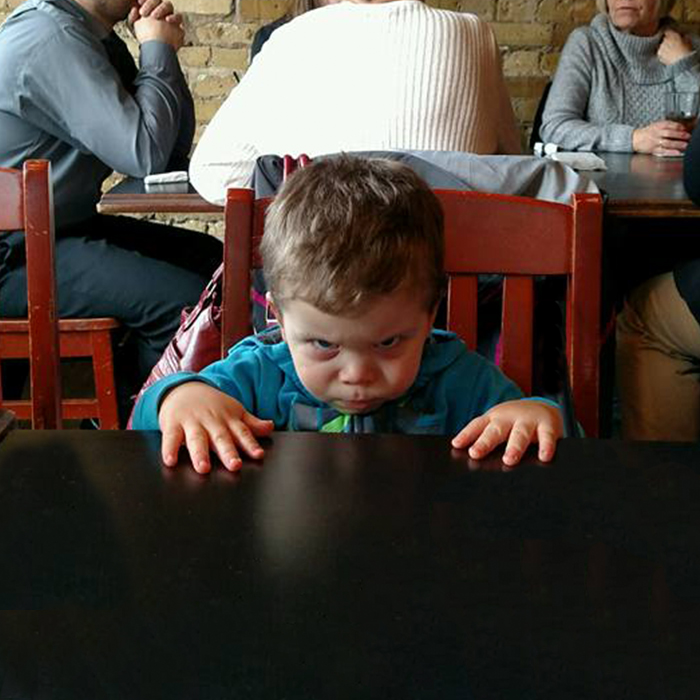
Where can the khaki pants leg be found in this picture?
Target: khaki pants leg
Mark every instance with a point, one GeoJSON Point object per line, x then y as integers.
{"type": "Point", "coordinates": [658, 341]}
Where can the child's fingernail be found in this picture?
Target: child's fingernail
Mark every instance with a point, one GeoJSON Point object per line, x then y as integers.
{"type": "Point", "coordinates": [234, 464]}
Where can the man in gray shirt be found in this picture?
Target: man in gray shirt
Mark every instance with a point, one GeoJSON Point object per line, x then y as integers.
{"type": "Point", "coordinates": [71, 93]}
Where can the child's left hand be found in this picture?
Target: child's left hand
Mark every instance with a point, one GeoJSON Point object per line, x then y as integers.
{"type": "Point", "coordinates": [520, 423]}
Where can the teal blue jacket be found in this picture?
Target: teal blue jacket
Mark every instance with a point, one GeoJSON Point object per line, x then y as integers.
{"type": "Point", "coordinates": [453, 386]}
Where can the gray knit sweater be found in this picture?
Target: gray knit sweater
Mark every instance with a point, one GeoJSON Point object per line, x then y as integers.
{"type": "Point", "coordinates": [607, 84]}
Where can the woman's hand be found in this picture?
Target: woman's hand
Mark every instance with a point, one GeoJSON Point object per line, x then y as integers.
{"type": "Point", "coordinates": [664, 138]}
{"type": "Point", "coordinates": [673, 47]}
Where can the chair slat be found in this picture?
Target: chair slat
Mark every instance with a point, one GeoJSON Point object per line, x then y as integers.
{"type": "Point", "coordinates": [238, 222]}
{"type": "Point", "coordinates": [462, 308]}
{"type": "Point", "coordinates": [517, 324]}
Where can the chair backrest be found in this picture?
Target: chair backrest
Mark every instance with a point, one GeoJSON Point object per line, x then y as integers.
{"type": "Point", "coordinates": [523, 239]}
{"type": "Point", "coordinates": [518, 237]}
{"type": "Point", "coordinates": [26, 204]}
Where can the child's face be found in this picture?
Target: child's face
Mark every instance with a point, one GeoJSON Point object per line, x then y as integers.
{"type": "Point", "coordinates": [357, 363]}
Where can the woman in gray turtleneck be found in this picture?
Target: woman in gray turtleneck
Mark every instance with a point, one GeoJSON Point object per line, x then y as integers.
{"type": "Point", "coordinates": [608, 91]}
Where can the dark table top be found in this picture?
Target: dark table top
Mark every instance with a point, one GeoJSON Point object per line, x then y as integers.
{"type": "Point", "coordinates": [637, 185]}
{"type": "Point", "coordinates": [347, 567]}
{"type": "Point", "coordinates": [640, 185]}
{"type": "Point", "coordinates": [130, 197]}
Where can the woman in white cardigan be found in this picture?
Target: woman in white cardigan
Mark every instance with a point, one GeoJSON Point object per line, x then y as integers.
{"type": "Point", "coordinates": [361, 75]}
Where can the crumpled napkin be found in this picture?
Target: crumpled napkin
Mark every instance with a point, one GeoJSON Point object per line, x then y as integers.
{"type": "Point", "coordinates": [578, 160]}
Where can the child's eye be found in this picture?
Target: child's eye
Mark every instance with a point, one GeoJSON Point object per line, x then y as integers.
{"type": "Point", "coordinates": [390, 342]}
{"type": "Point", "coordinates": [320, 344]}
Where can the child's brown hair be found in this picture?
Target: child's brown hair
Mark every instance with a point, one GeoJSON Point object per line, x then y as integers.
{"type": "Point", "coordinates": [346, 229]}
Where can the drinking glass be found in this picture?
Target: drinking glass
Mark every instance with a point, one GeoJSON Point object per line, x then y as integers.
{"type": "Point", "coordinates": [682, 107]}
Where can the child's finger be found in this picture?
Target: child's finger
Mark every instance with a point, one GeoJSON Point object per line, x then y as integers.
{"type": "Point", "coordinates": [198, 446]}
{"type": "Point", "coordinates": [245, 439]}
{"type": "Point", "coordinates": [173, 437]}
{"type": "Point", "coordinates": [547, 439]}
{"type": "Point", "coordinates": [258, 426]}
{"type": "Point", "coordinates": [469, 432]}
{"type": "Point", "coordinates": [222, 443]}
{"type": "Point", "coordinates": [518, 441]}
{"type": "Point", "coordinates": [494, 434]}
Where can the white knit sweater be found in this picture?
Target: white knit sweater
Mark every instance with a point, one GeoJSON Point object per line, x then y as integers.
{"type": "Point", "coordinates": [348, 77]}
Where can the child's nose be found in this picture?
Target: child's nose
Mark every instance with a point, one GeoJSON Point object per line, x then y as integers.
{"type": "Point", "coordinates": [357, 371]}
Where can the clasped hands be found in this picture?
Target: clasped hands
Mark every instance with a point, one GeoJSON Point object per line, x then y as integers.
{"type": "Point", "coordinates": [156, 20]}
{"type": "Point", "coordinates": [206, 420]}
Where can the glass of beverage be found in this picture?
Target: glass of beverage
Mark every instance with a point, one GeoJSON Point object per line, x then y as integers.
{"type": "Point", "coordinates": [682, 107]}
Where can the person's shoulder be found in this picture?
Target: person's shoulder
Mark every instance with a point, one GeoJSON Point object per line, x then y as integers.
{"type": "Point", "coordinates": [43, 15]}
{"type": "Point", "coordinates": [41, 26]}
{"type": "Point", "coordinates": [267, 343]}
{"type": "Point", "coordinates": [448, 363]}
{"type": "Point", "coordinates": [443, 350]}
{"type": "Point", "coordinates": [263, 349]}
{"type": "Point", "coordinates": [28, 34]}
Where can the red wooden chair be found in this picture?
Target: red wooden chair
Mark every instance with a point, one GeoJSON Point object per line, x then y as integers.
{"type": "Point", "coordinates": [26, 204]}
{"type": "Point", "coordinates": [518, 237]}
{"type": "Point", "coordinates": [523, 238]}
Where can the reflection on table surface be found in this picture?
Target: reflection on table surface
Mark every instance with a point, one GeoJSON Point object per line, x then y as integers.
{"type": "Point", "coordinates": [347, 567]}
{"type": "Point", "coordinates": [641, 185]}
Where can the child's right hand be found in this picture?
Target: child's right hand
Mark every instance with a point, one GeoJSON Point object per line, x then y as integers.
{"type": "Point", "coordinates": [204, 419]}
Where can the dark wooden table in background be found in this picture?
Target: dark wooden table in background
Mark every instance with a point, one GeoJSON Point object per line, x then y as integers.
{"type": "Point", "coordinates": [643, 186]}
{"type": "Point", "coordinates": [347, 567]}
{"type": "Point", "coordinates": [637, 185]}
{"type": "Point", "coordinates": [130, 197]}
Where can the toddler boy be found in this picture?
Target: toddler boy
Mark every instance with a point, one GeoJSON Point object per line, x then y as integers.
{"type": "Point", "coordinates": [353, 260]}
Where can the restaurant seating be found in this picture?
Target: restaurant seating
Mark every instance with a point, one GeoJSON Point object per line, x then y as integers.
{"type": "Point", "coordinates": [518, 237]}
{"type": "Point", "coordinates": [525, 239]}
{"type": "Point", "coordinates": [26, 204]}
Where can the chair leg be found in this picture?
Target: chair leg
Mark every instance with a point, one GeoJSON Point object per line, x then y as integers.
{"type": "Point", "coordinates": [105, 390]}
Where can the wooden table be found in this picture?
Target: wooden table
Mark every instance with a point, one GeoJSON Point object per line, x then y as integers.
{"type": "Point", "coordinates": [643, 186]}
{"type": "Point", "coordinates": [638, 186]}
{"type": "Point", "coordinates": [347, 567]}
{"type": "Point", "coordinates": [130, 197]}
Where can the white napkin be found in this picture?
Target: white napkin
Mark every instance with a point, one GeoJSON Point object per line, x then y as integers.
{"type": "Point", "coordinates": [164, 178]}
{"type": "Point", "coordinates": [579, 161]}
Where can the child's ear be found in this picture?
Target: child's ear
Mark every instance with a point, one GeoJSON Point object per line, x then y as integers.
{"type": "Point", "coordinates": [274, 310]}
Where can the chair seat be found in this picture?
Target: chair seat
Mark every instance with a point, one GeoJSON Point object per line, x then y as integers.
{"type": "Point", "coordinates": [65, 325]}
{"type": "Point", "coordinates": [77, 337]}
